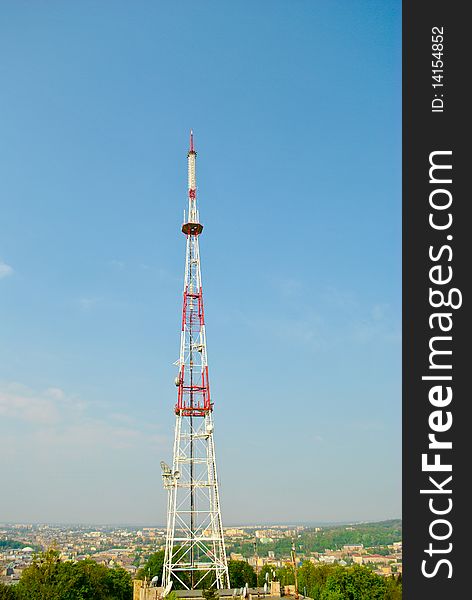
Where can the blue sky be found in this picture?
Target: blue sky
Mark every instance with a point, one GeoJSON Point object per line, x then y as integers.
{"type": "Point", "coordinates": [296, 113]}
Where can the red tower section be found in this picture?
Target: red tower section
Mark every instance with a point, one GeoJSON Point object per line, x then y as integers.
{"type": "Point", "coordinates": [193, 397]}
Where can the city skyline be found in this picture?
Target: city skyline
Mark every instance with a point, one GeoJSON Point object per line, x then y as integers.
{"type": "Point", "coordinates": [299, 169]}
{"type": "Point", "coordinates": [133, 549]}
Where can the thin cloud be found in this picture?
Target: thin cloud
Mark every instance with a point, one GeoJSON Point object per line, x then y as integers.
{"type": "Point", "coordinates": [21, 404]}
{"type": "Point", "coordinates": [344, 300]}
{"type": "Point", "coordinates": [87, 303]}
{"type": "Point", "coordinates": [379, 311]}
{"type": "Point", "coordinates": [118, 265]}
{"type": "Point", "coordinates": [376, 326]}
{"type": "Point", "coordinates": [5, 270]}
{"type": "Point", "coordinates": [289, 287]}
{"type": "Point", "coordinates": [55, 393]}
{"type": "Point", "coordinates": [56, 419]}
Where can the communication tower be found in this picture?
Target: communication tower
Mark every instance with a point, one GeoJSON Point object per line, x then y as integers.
{"type": "Point", "coordinates": [195, 553]}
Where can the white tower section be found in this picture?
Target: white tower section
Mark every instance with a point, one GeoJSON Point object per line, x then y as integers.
{"type": "Point", "coordinates": [195, 553]}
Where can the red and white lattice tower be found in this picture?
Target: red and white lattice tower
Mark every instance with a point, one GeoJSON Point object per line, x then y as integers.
{"type": "Point", "coordinates": [195, 551]}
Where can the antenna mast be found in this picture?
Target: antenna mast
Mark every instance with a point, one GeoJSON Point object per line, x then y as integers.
{"type": "Point", "coordinates": [195, 552]}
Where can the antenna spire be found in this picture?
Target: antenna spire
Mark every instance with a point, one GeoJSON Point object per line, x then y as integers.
{"type": "Point", "coordinates": [191, 148]}
{"type": "Point", "coordinates": [192, 226]}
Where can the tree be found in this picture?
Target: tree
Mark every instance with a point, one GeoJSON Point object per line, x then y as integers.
{"type": "Point", "coordinates": [119, 584]}
{"type": "Point", "coordinates": [312, 578]}
{"type": "Point", "coordinates": [261, 576]}
{"type": "Point", "coordinates": [240, 573]}
{"type": "Point", "coordinates": [394, 588]}
{"type": "Point", "coordinates": [154, 566]}
{"type": "Point", "coordinates": [204, 579]}
{"type": "Point", "coordinates": [210, 594]}
{"type": "Point", "coordinates": [285, 575]}
{"type": "Point", "coordinates": [7, 592]}
{"type": "Point", "coordinates": [333, 595]}
{"type": "Point", "coordinates": [48, 578]}
{"type": "Point", "coordinates": [354, 583]}
{"type": "Point", "coordinates": [13, 544]}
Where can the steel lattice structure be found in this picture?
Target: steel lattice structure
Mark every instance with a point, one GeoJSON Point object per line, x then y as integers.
{"type": "Point", "coordinates": [195, 547]}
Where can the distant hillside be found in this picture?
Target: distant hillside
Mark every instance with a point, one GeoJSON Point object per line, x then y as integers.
{"type": "Point", "coordinates": [382, 533]}
{"type": "Point", "coordinates": [330, 537]}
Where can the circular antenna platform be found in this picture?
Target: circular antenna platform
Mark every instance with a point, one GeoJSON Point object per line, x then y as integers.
{"type": "Point", "coordinates": [192, 228]}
